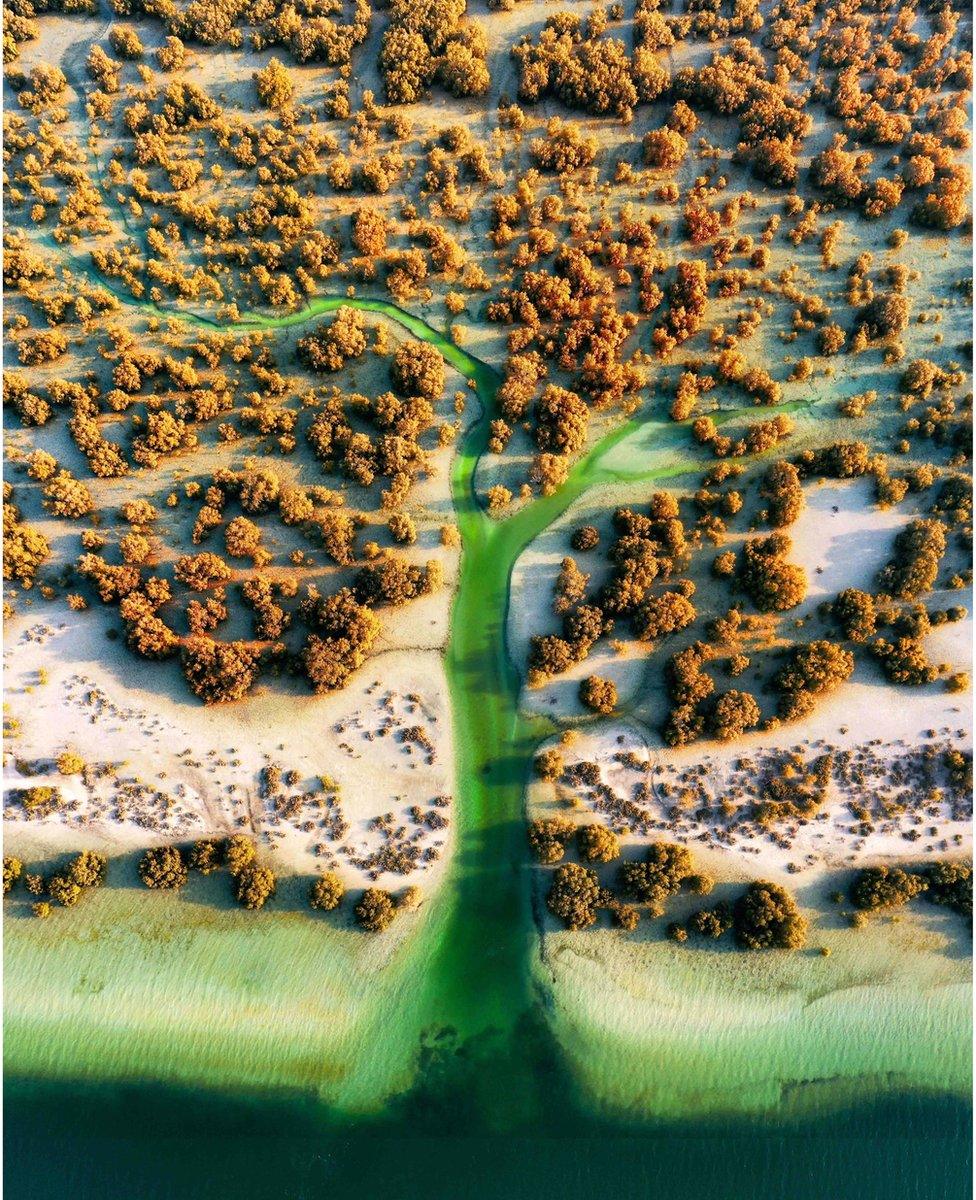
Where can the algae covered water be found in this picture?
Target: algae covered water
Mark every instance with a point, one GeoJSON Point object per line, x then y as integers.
{"type": "Point", "coordinates": [449, 1081]}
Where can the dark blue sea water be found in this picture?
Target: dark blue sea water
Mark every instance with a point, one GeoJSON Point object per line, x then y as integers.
{"type": "Point", "coordinates": [79, 1142]}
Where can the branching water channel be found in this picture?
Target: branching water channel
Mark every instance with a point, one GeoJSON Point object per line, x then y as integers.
{"type": "Point", "coordinates": [488, 1068]}
{"type": "Point", "coordinates": [476, 978]}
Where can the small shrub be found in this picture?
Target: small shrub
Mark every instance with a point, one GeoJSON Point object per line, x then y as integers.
{"type": "Point", "coordinates": [326, 892]}
{"type": "Point", "coordinates": [163, 867]}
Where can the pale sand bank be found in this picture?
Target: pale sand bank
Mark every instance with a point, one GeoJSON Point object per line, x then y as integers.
{"type": "Point", "coordinates": [175, 769]}
{"type": "Point", "coordinates": [710, 772]}
{"type": "Point", "coordinates": [841, 539]}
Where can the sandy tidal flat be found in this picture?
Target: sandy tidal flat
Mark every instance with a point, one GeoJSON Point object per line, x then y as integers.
{"type": "Point", "coordinates": [653, 1027]}
{"type": "Point", "coordinates": [188, 990]}
{"type": "Point", "coordinates": [167, 768]}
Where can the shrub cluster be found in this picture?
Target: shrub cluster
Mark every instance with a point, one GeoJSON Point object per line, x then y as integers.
{"type": "Point", "coordinates": [429, 41]}
{"type": "Point", "coordinates": [665, 868]}
{"type": "Point", "coordinates": [375, 910]}
{"type": "Point", "coordinates": [766, 917]}
{"type": "Point", "coordinates": [548, 837]}
{"type": "Point", "coordinates": [163, 867]}
{"type": "Point", "coordinates": [810, 671]}
{"type": "Point", "coordinates": [918, 550]}
{"type": "Point", "coordinates": [25, 548]}
{"type": "Point", "coordinates": [574, 895]}
{"type": "Point", "coordinates": [885, 887]}
{"type": "Point", "coordinates": [574, 64]}
{"type": "Point", "coordinates": [331, 346]}
{"type": "Point", "coordinates": [326, 892]}
{"type": "Point", "coordinates": [773, 583]}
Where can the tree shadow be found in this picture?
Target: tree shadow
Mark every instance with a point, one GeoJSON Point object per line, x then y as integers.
{"type": "Point", "coordinates": [213, 892]}
{"type": "Point", "coordinates": [814, 900]}
{"type": "Point", "coordinates": [836, 915]}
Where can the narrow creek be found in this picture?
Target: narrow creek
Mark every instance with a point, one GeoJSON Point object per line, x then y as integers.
{"type": "Point", "coordinates": [476, 948]}
{"type": "Point", "coordinates": [477, 987]}
{"type": "Point", "coordinates": [474, 955]}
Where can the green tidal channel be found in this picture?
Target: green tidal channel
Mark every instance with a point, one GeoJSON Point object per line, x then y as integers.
{"type": "Point", "coordinates": [490, 1106]}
